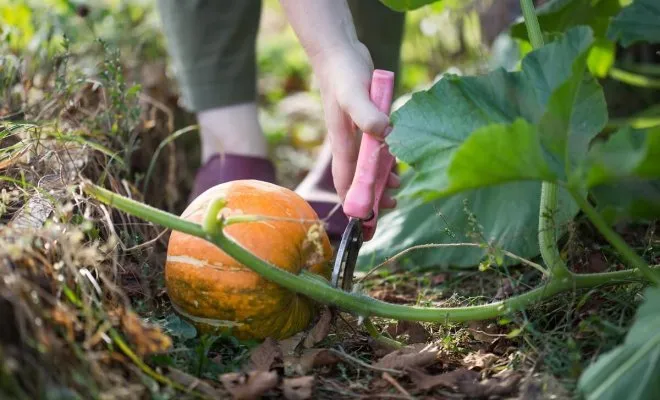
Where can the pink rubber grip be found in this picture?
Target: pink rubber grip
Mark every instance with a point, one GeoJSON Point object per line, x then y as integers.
{"type": "Point", "coordinates": [374, 163]}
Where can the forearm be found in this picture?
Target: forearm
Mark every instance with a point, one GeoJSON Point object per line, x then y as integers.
{"type": "Point", "coordinates": [321, 25]}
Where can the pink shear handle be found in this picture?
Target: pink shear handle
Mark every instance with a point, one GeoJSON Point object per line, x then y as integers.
{"type": "Point", "coordinates": [374, 162]}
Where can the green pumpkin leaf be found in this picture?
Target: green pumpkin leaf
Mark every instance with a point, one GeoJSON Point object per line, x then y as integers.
{"type": "Point", "coordinates": [561, 15]}
{"type": "Point", "coordinates": [638, 22]}
{"type": "Point", "coordinates": [561, 111]}
{"type": "Point", "coordinates": [623, 174]}
{"type": "Point", "coordinates": [506, 216]}
{"type": "Point", "coordinates": [451, 134]}
{"type": "Point", "coordinates": [632, 198]}
{"type": "Point", "coordinates": [628, 153]}
{"type": "Point", "coordinates": [514, 154]}
{"type": "Point", "coordinates": [631, 370]}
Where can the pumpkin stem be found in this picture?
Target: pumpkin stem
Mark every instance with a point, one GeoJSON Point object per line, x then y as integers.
{"type": "Point", "coordinates": [212, 224]}
{"type": "Point", "coordinates": [358, 303]}
{"type": "Point", "coordinates": [379, 337]}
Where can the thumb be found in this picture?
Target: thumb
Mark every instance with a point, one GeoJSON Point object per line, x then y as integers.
{"type": "Point", "coordinates": [364, 113]}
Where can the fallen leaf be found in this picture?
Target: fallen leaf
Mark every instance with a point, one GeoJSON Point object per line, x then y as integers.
{"type": "Point", "coordinates": [451, 380]}
{"type": "Point", "coordinates": [289, 345]}
{"type": "Point", "coordinates": [147, 338]}
{"type": "Point", "coordinates": [415, 355]}
{"type": "Point", "coordinates": [298, 388]}
{"type": "Point", "coordinates": [321, 329]}
{"type": "Point", "coordinates": [413, 331]}
{"type": "Point", "coordinates": [248, 386]}
{"type": "Point", "coordinates": [265, 355]}
{"type": "Point", "coordinates": [466, 381]}
{"type": "Point", "coordinates": [194, 383]}
{"type": "Point", "coordinates": [502, 384]}
{"type": "Point", "coordinates": [479, 360]}
{"type": "Point", "coordinates": [542, 386]}
{"type": "Point", "coordinates": [310, 359]}
{"type": "Point", "coordinates": [390, 296]}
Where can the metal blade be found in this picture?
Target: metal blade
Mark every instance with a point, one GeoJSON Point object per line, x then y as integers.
{"type": "Point", "coordinates": [347, 254]}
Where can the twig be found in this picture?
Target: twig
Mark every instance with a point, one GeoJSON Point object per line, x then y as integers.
{"type": "Point", "coordinates": [361, 363]}
{"type": "Point", "coordinates": [396, 385]}
{"type": "Point", "coordinates": [532, 264]}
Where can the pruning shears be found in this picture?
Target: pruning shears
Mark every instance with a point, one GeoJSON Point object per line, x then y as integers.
{"type": "Point", "coordinates": [362, 203]}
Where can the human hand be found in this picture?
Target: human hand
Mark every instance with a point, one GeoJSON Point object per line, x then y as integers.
{"type": "Point", "coordinates": [344, 74]}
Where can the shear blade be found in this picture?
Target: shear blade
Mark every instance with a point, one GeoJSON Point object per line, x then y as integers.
{"type": "Point", "coordinates": [349, 247]}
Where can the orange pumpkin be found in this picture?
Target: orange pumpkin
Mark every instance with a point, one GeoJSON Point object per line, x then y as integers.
{"type": "Point", "coordinates": [217, 293]}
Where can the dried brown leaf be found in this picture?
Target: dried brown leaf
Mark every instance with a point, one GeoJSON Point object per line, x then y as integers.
{"type": "Point", "coordinates": [321, 329]}
{"type": "Point", "coordinates": [452, 380]}
{"type": "Point", "coordinates": [299, 388]}
{"type": "Point", "coordinates": [310, 359]}
{"type": "Point", "coordinates": [503, 384]}
{"type": "Point", "coordinates": [194, 383]}
{"type": "Point", "coordinates": [248, 386]}
{"type": "Point", "coordinates": [479, 360]}
{"type": "Point", "coordinates": [467, 382]}
{"type": "Point", "coordinates": [289, 345]}
{"type": "Point", "coordinates": [147, 339]}
{"type": "Point", "coordinates": [265, 355]}
{"type": "Point", "coordinates": [415, 355]}
{"type": "Point", "coordinates": [414, 332]}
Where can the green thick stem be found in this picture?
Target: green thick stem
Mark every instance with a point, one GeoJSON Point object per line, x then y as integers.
{"type": "Point", "coordinates": [320, 291]}
{"type": "Point", "coordinates": [532, 23]}
{"type": "Point", "coordinates": [548, 205]}
{"type": "Point", "coordinates": [634, 79]}
{"type": "Point", "coordinates": [615, 240]}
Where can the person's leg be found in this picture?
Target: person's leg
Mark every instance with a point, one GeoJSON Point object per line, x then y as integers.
{"type": "Point", "coordinates": [381, 30]}
{"type": "Point", "coordinates": [212, 46]}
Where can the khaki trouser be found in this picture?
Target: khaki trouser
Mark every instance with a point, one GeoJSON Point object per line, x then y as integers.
{"type": "Point", "coordinates": [212, 44]}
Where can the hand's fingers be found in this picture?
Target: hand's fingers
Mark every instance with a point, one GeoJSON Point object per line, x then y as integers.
{"type": "Point", "coordinates": [345, 145]}
{"type": "Point", "coordinates": [387, 202]}
{"type": "Point", "coordinates": [363, 112]}
{"type": "Point", "coordinates": [393, 181]}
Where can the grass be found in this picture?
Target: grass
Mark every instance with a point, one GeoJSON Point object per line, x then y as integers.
{"type": "Point", "coordinates": [82, 288]}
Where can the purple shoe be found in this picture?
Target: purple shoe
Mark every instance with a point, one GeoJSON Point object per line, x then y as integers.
{"type": "Point", "coordinates": [222, 168]}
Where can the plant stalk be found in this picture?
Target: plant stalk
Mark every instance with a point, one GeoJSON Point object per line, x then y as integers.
{"type": "Point", "coordinates": [615, 240]}
{"type": "Point", "coordinates": [548, 205]}
{"type": "Point", "coordinates": [320, 291]}
{"type": "Point", "coordinates": [634, 79]}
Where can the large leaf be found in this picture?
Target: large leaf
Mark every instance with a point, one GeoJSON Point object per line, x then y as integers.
{"type": "Point", "coordinates": [480, 131]}
{"type": "Point", "coordinates": [561, 15]}
{"type": "Point", "coordinates": [507, 216]}
{"type": "Point", "coordinates": [638, 22]}
{"type": "Point", "coordinates": [631, 370]}
{"type": "Point", "coordinates": [627, 153]}
{"type": "Point", "coordinates": [623, 174]}
{"type": "Point", "coordinates": [632, 198]}
{"type": "Point", "coordinates": [461, 128]}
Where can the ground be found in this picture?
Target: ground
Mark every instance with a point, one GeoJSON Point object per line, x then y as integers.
{"type": "Point", "coordinates": [82, 294]}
